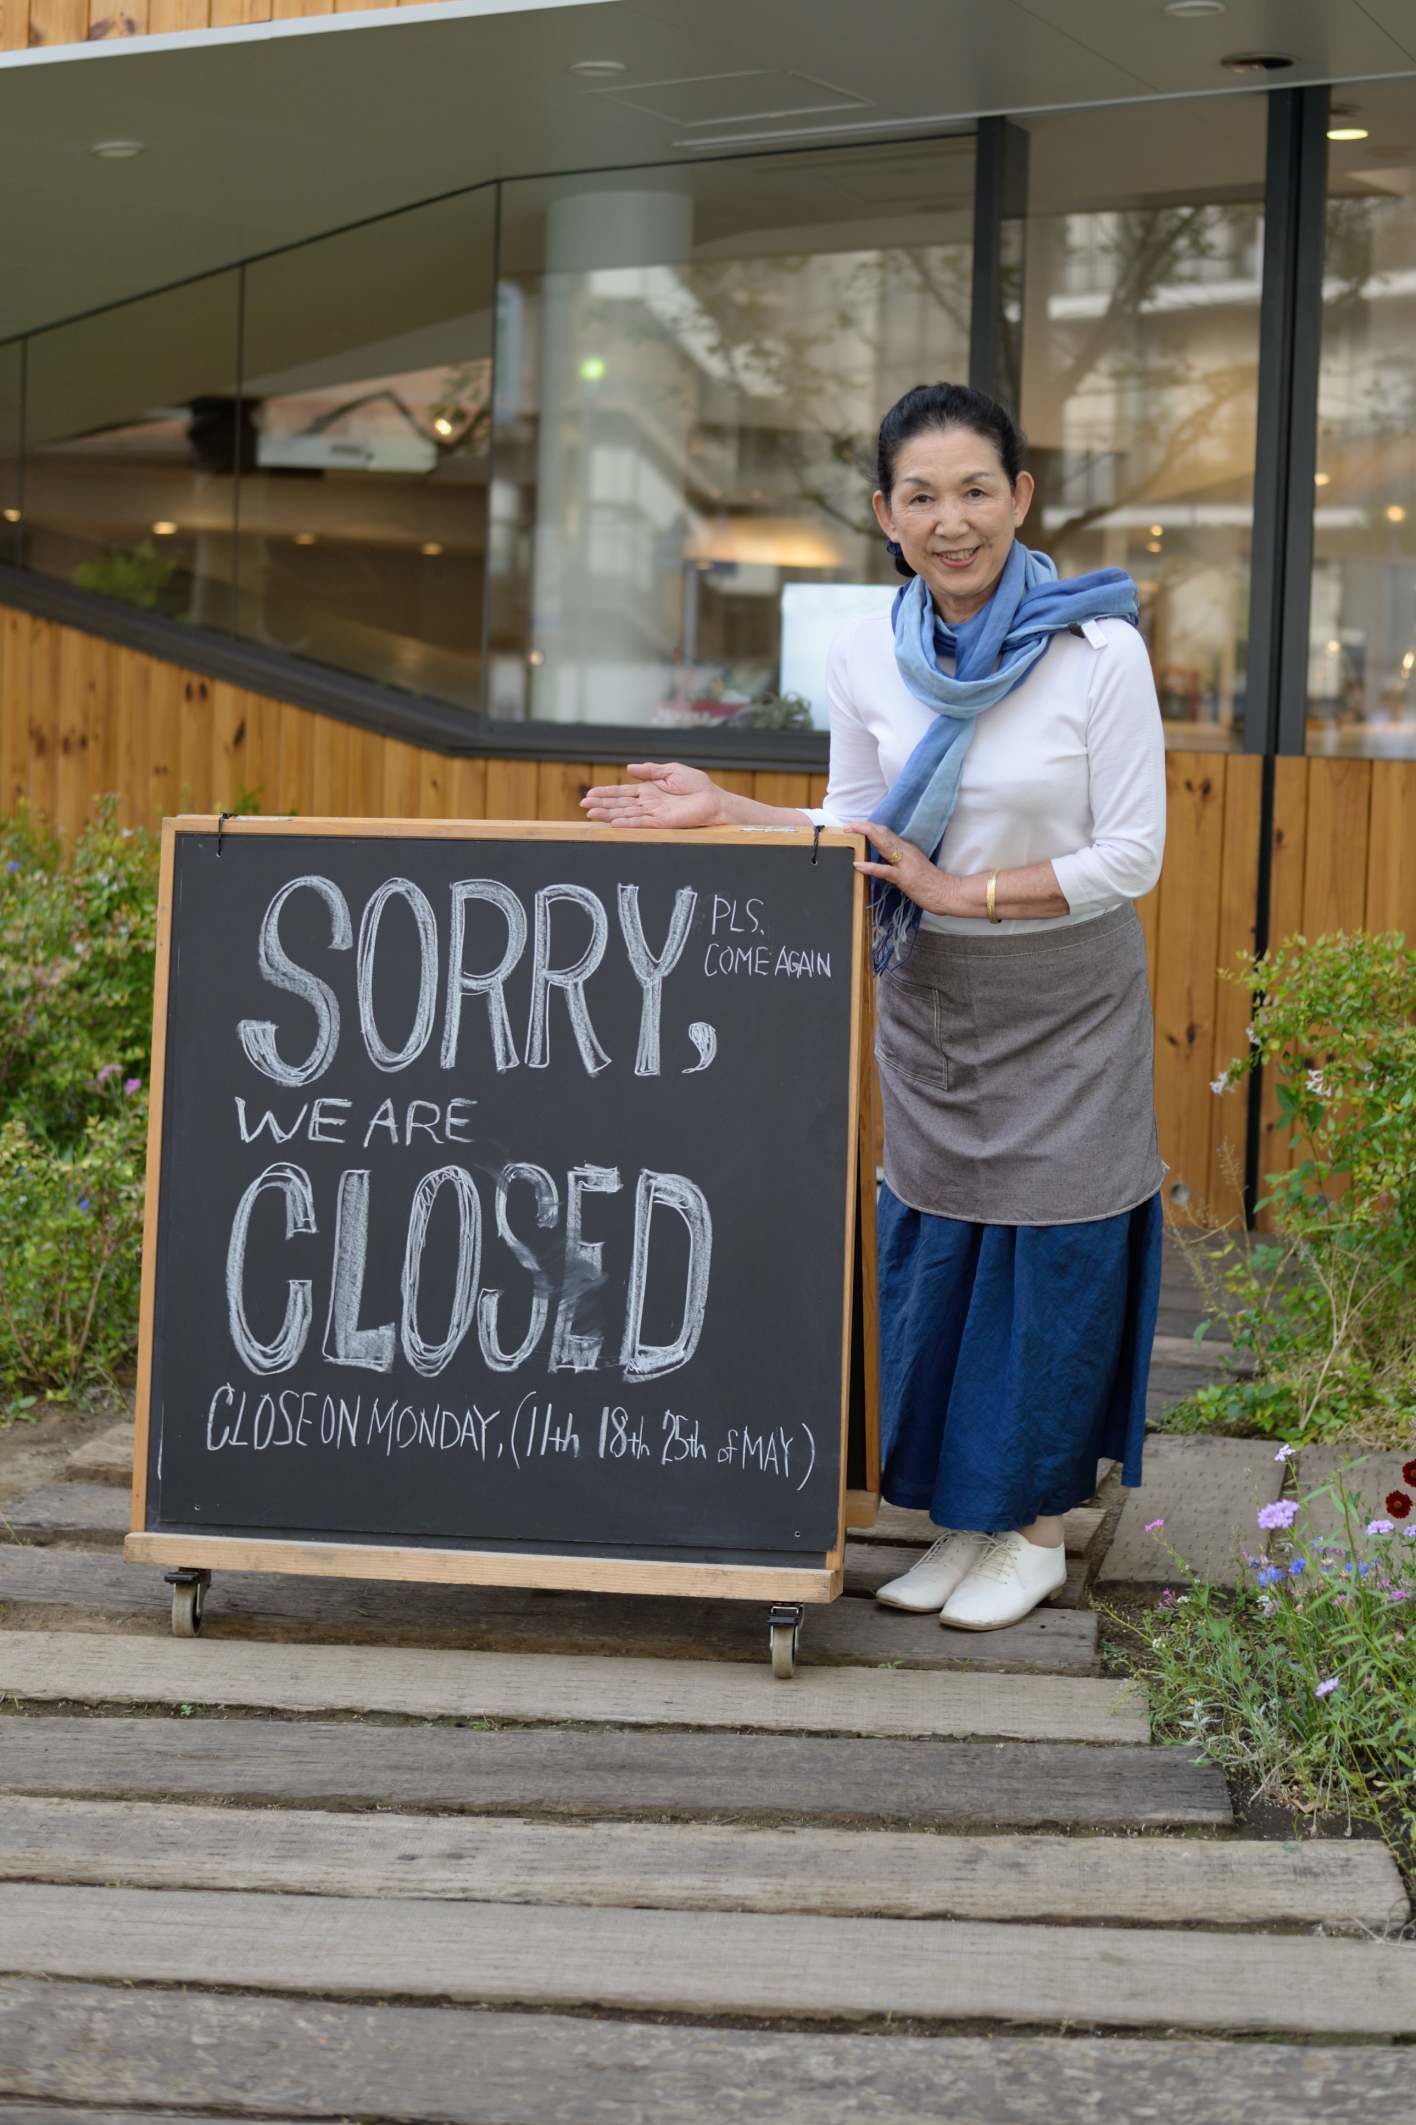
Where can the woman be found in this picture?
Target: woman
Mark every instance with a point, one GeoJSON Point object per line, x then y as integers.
{"type": "Point", "coordinates": [997, 738]}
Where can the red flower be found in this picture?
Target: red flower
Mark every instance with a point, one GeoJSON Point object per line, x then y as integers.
{"type": "Point", "coordinates": [1408, 1471]}
{"type": "Point", "coordinates": [1398, 1504]}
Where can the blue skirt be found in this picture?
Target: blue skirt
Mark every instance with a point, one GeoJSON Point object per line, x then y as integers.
{"type": "Point", "coordinates": [1012, 1359]}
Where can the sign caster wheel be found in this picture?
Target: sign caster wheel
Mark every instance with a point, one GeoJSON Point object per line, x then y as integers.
{"type": "Point", "coordinates": [188, 1601]}
{"type": "Point", "coordinates": [783, 1630]}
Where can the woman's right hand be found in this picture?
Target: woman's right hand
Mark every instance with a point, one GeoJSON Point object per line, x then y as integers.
{"type": "Point", "coordinates": [663, 796]}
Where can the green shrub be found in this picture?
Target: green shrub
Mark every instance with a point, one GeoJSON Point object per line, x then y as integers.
{"type": "Point", "coordinates": [1300, 1681]}
{"type": "Point", "coordinates": [76, 968]}
{"type": "Point", "coordinates": [77, 953]}
{"type": "Point", "coordinates": [1326, 1304]}
{"type": "Point", "coordinates": [138, 577]}
{"type": "Point", "coordinates": [71, 1264]}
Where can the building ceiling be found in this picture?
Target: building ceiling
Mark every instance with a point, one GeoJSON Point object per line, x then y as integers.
{"type": "Point", "coordinates": [257, 137]}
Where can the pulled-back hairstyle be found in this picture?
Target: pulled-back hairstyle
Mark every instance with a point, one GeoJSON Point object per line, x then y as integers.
{"type": "Point", "coordinates": [941, 406]}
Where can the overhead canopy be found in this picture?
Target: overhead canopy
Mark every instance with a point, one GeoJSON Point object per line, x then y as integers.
{"type": "Point", "coordinates": [256, 137]}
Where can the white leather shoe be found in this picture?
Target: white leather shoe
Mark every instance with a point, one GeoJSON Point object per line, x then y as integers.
{"type": "Point", "coordinates": [928, 1584]}
{"type": "Point", "coordinates": [1009, 1580]}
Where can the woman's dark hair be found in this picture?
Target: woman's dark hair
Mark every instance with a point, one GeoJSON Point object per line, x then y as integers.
{"type": "Point", "coordinates": [941, 406]}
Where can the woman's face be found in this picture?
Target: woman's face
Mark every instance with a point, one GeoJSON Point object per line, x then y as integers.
{"type": "Point", "coordinates": [954, 515]}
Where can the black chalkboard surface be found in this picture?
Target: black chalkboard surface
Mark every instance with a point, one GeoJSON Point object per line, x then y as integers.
{"type": "Point", "coordinates": [502, 1214]}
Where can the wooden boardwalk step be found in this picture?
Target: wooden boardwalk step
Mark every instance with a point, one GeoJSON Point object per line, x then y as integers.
{"type": "Point", "coordinates": [579, 1772]}
{"type": "Point", "coordinates": [514, 1620]}
{"type": "Point", "coordinates": [712, 1962]}
{"type": "Point", "coordinates": [62, 1665]}
{"type": "Point", "coordinates": [899, 1524]}
{"type": "Point", "coordinates": [187, 2055]}
{"type": "Point", "coordinates": [692, 1867]}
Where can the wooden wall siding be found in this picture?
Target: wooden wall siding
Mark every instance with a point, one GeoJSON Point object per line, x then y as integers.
{"type": "Point", "coordinates": [79, 717]}
{"type": "Point", "coordinates": [26, 22]}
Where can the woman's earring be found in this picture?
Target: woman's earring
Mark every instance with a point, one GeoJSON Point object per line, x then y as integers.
{"type": "Point", "coordinates": [897, 555]}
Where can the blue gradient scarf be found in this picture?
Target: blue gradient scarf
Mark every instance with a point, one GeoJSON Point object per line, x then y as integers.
{"type": "Point", "coordinates": [1027, 609]}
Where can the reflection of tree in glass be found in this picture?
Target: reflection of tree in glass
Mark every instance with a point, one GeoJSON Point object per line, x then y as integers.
{"type": "Point", "coordinates": [784, 366]}
{"type": "Point", "coordinates": [1162, 388]}
{"type": "Point", "coordinates": [1370, 380]}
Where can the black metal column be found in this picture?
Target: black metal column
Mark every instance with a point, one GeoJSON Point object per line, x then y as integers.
{"type": "Point", "coordinates": [1000, 220]}
{"type": "Point", "coordinates": [1285, 460]}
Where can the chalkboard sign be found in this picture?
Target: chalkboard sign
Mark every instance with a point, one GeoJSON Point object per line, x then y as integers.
{"type": "Point", "coordinates": [503, 1205]}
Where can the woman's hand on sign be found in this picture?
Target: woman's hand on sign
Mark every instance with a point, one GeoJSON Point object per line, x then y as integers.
{"type": "Point", "coordinates": [907, 867]}
{"type": "Point", "coordinates": [663, 796]}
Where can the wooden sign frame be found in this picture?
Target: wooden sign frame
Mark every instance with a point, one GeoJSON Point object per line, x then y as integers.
{"type": "Point", "coordinates": [429, 1563]}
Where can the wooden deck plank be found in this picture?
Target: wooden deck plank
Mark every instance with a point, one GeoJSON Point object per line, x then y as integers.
{"type": "Point", "coordinates": [131, 2053]}
{"type": "Point", "coordinates": [1206, 1492]}
{"type": "Point", "coordinates": [580, 1772]}
{"type": "Point", "coordinates": [712, 1962]}
{"type": "Point", "coordinates": [247, 1605]}
{"type": "Point", "coordinates": [697, 1867]}
{"type": "Point", "coordinates": [87, 1667]}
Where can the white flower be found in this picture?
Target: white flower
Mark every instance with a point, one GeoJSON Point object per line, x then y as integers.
{"type": "Point", "coordinates": [1316, 1084]}
{"type": "Point", "coordinates": [1253, 1036]}
{"type": "Point", "coordinates": [1285, 1453]}
{"type": "Point", "coordinates": [1219, 1085]}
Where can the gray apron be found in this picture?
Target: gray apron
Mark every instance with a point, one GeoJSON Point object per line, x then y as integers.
{"type": "Point", "coordinates": [1016, 1074]}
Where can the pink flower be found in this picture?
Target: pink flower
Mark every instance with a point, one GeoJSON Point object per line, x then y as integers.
{"type": "Point", "coordinates": [1325, 1689]}
{"type": "Point", "coordinates": [106, 1072]}
{"type": "Point", "coordinates": [1285, 1453]}
{"type": "Point", "coordinates": [1152, 1525]}
{"type": "Point", "coordinates": [1282, 1513]}
{"type": "Point", "coordinates": [1380, 1527]}
{"type": "Point", "coordinates": [132, 1085]}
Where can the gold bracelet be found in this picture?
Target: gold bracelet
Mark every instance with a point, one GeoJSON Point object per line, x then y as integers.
{"type": "Point", "coordinates": [993, 914]}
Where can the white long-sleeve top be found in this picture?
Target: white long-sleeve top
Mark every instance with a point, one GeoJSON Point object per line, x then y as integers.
{"type": "Point", "coordinates": [1068, 768]}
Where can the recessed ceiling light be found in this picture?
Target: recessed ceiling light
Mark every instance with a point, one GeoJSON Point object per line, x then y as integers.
{"type": "Point", "coordinates": [1157, 531]}
{"type": "Point", "coordinates": [12, 516]}
{"type": "Point", "coordinates": [304, 538]}
{"type": "Point", "coordinates": [592, 369]}
{"type": "Point", "coordinates": [1257, 62]}
{"type": "Point", "coordinates": [443, 425]}
{"type": "Point", "coordinates": [1322, 479]}
{"type": "Point", "coordinates": [595, 68]}
{"type": "Point", "coordinates": [1396, 514]}
{"type": "Point", "coordinates": [1347, 132]}
{"type": "Point", "coordinates": [1194, 7]}
{"type": "Point", "coordinates": [117, 150]}
{"type": "Point", "coordinates": [430, 546]}
{"type": "Point", "coordinates": [164, 528]}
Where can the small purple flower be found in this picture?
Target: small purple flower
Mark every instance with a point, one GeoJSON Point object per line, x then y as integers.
{"type": "Point", "coordinates": [1325, 1689]}
{"type": "Point", "coordinates": [83, 1202]}
{"type": "Point", "coordinates": [1271, 1576]}
{"type": "Point", "coordinates": [1381, 1527]}
{"type": "Point", "coordinates": [1299, 1564]}
{"type": "Point", "coordinates": [1152, 1525]}
{"type": "Point", "coordinates": [1282, 1513]}
{"type": "Point", "coordinates": [1285, 1453]}
{"type": "Point", "coordinates": [132, 1085]}
{"type": "Point", "coordinates": [106, 1072]}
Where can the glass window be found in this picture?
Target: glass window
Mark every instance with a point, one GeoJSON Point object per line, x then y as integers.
{"type": "Point", "coordinates": [366, 393]}
{"type": "Point", "coordinates": [12, 372]}
{"type": "Point", "coordinates": [130, 422]}
{"type": "Point", "coordinates": [1141, 286]}
{"type": "Point", "coordinates": [1362, 620]}
{"type": "Point", "coordinates": [691, 367]}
